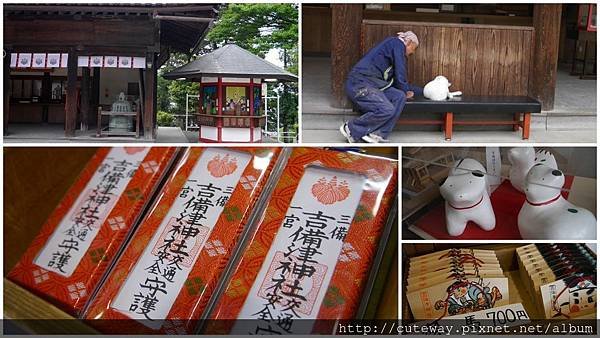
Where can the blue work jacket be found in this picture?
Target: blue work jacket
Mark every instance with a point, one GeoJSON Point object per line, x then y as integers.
{"type": "Point", "coordinates": [384, 66]}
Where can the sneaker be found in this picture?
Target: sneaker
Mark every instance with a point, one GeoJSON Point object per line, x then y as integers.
{"type": "Point", "coordinates": [374, 138]}
{"type": "Point", "coordinates": [379, 138]}
{"type": "Point", "coordinates": [367, 138]}
{"type": "Point", "coordinates": [346, 132]}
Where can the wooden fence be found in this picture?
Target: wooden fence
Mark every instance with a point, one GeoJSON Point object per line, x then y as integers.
{"type": "Point", "coordinates": [477, 59]}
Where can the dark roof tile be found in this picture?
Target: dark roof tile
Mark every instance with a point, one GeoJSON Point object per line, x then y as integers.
{"type": "Point", "coordinates": [230, 61]}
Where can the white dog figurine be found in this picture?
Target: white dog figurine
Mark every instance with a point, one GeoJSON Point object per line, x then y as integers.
{"type": "Point", "coordinates": [438, 89]}
{"type": "Point", "coordinates": [522, 159]}
{"type": "Point", "coordinates": [466, 191]}
{"type": "Point", "coordinates": [546, 214]}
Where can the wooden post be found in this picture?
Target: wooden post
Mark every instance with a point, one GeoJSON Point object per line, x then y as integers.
{"type": "Point", "coordinates": [138, 122]}
{"type": "Point", "coordinates": [46, 95]}
{"type": "Point", "coordinates": [220, 108]}
{"type": "Point", "coordinates": [526, 125]}
{"type": "Point", "coordinates": [85, 98]}
{"type": "Point", "coordinates": [251, 110]}
{"type": "Point", "coordinates": [71, 104]}
{"type": "Point", "coordinates": [346, 20]}
{"type": "Point", "coordinates": [7, 90]}
{"type": "Point", "coordinates": [99, 125]}
{"type": "Point", "coordinates": [542, 78]}
{"type": "Point", "coordinates": [95, 92]}
{"type": "Point", "coordinates": [154, 95]}
{"type": "Point", "coordinates": [149, 84]}
{"type": "Point", "coordinates": [448, 121]}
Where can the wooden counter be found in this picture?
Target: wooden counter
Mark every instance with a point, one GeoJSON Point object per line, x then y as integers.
{"type": "Point", "coordinates": [33, 112]}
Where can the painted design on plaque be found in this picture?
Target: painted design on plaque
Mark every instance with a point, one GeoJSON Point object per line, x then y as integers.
{"type": "Point", "coordinates": [220, 167]}
{"type": "Point", "coordinates": [330, 192]}
{"type": "Point", "coordinates": [569, 297]}
{"type": "Point", "coordinates": [582, 297]}
{"type": "Point", "coordinates": [464, 296]}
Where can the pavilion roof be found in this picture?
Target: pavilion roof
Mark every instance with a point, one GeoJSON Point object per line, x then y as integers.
{"type": "Point", "coordinates": [230, 61]}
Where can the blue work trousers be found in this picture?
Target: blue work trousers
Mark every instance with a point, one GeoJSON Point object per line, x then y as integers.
{"type": "Point", "coordinates": [380, 109]}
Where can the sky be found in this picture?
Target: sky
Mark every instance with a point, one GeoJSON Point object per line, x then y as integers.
{"type": "Point", "coordinates": [273, 57]}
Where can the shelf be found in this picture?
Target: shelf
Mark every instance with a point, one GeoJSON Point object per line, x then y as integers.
{"type": "Point", "coordinates": [35, 315]}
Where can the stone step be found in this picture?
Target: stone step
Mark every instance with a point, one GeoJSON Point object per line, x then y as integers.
{"type": "Point", "coordinates": [570, 121]}
{"type": "Point", "coordinates": [476, 137]}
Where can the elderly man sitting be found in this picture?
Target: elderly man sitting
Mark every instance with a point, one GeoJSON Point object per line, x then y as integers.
{"type": "Point", "coordinates": [378, 86]}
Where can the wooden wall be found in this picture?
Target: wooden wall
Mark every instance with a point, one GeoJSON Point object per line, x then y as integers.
{"type": "Point", "coordinates": [316, 23]}
{"type": "Point", "coordinates": [477, 59]}
{"type": "Point", "coordinates": [445, 17]}
{"type": "Point", "coordinates": [316, 30]}
{"type": "Point", "coordinates": [48, 35]}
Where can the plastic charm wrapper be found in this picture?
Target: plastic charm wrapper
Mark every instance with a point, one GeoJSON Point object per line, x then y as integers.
{"type": "Point", "coordinates": [309, 256]}
{"type": "Point", "coordinates": [68, 258]}
{"type": "Point", "coordinates": [166, 275]}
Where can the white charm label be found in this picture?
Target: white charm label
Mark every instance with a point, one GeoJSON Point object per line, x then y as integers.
{"type": "Point", "coordinates": [296, 272]}
{"type": "Point", "coordinates": [77, 230]}
{"type": "Point", "coordinates": [159, 274]}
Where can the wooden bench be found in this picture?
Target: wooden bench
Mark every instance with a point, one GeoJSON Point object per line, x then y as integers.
{"type": "Point", "coordinates": [520, 106]}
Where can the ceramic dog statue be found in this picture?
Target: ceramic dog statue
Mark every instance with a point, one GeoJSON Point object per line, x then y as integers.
{"type": "Point", "coordinates": [522, 159]}
{"type": "Point", "coordinates": [546, 214]}
{"type": "Point", "coordinates": [438, 89]}
{"type": "Point", "coordinates": [466, 191]}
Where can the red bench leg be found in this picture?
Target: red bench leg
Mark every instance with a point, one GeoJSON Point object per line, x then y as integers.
{"type": "Point", "coordinates": [517, 120]}
{"type": "Point", "coordinates": [526, 125]}
{"type": "Point", "coordinates": [448, 119]}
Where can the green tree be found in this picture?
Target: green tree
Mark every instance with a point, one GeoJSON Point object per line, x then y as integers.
{"type": "Point", "coordinates": [258, 28]}
{"type": "Point", "coordinates": [171, 95]}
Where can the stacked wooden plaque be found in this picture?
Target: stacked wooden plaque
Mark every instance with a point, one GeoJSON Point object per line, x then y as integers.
{"type": "Point", "coordinates": [560, 277]}
{"type": "Point", "coordinates": [455, 281]}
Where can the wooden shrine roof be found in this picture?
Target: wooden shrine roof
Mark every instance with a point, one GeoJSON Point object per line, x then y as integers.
{"type": "Point", "coordinates": [182, 26]}
{"type": "Point", "coordinates": [230, 61]}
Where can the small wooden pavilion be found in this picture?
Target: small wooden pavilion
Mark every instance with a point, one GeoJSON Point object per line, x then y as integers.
{"type": "Point", "coordinates": [232, 84]}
